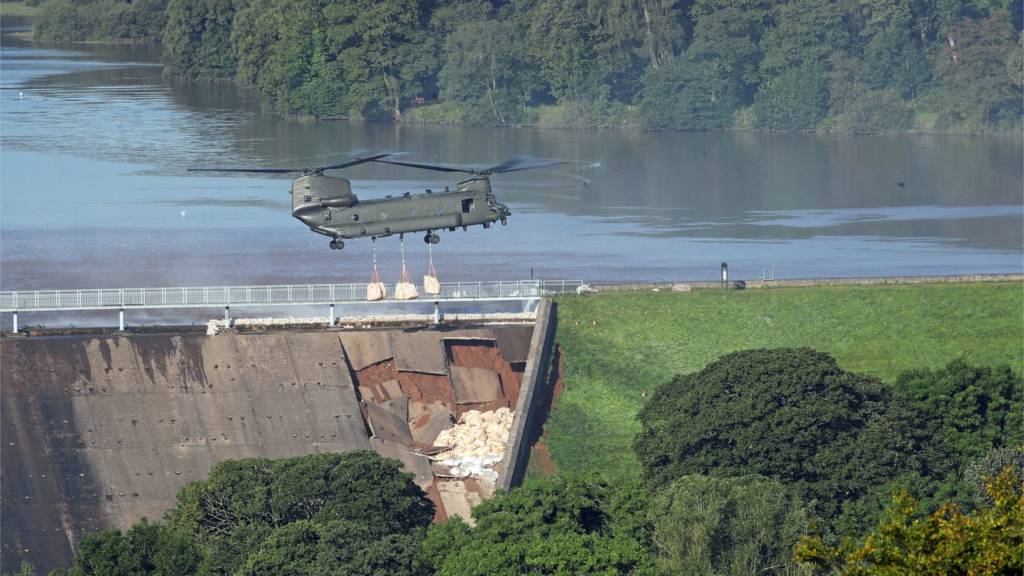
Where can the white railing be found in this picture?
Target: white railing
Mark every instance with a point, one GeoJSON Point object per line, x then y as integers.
{"type": "Point", "coordinates": [298, 294]}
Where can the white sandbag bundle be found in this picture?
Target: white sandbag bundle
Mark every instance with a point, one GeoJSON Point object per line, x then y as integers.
{"type": "Point", "coordinates": [406, 291]}
{"type": "Point", "coordinates": [376, 289]}
{"type": "Point", "coordinates": [431, 285]}
{"type": "Point", "coordinates": [404, 288]}
{"type": "Point", "coordinates": [476, 444]}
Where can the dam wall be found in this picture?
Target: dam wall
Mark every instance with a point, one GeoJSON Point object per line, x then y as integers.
{"type": "Point", "coordinates": [101, 431]}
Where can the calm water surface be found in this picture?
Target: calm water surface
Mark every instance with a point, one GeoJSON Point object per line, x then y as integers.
{"type": "Point", "coordinates": [94, 146]}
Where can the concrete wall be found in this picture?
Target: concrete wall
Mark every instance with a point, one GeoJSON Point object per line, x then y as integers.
{"type": "Point", "coordinates": [100, 432]}
{"type": "Point", "coordinates": [513, 467]}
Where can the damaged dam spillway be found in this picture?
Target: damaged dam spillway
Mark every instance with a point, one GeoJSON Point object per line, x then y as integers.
{"type": "Point", "coordinates": [101, 431]}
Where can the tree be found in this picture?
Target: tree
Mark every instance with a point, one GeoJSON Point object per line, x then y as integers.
{"type": "Point", "coordinates": [72, 21]}
{"type": "Point", "coordinates": [690, 94]}
{"type": "Point", "coordinates": [895, 51]}
{"type": "Point", "coordinates": [554, 525]}
{"type": "Point", "coordinates": [384, 51]}
{"type": "Point", "coordinates": [989, 541]}
{"type": "Point", "coordinates": [982, 470]}
{"type": "Point", "coordinates": [484, 70]}
{"type": "Point", "coordinates": [306, 548]}
{"type": "Point", "coordinates": [971, 72]}
{"type": "Point", "coordinates": [792, 415]}
{"type": "Point", "coordinates": [726, 526]}
{"type": "Point", "coordinates": [796, 99]}
{"type": "Point", "coordinates": [703, 88]}
{"type": "Point", "coordinates": [980, 407]}
{"type": "Point", "coordinates": [149, 549]}
{"type": "Point", "coordinates": [243, 502]}
{"type": "Point", "coordinates": [197, 39]}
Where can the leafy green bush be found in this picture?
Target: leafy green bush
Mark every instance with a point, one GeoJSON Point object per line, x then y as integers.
{"type": "Point", "coordinates": [983, 469]}
{"type": "Point", "coordinates": [989, 540]}
{"type": "Point", "coordinates": [793, 415]}
{"type": "Point", "coordinates": [689, 94]}
{"type": "Point", "coordinates": [796, 99]}
{"type": "Point", "coordinates": [726, 526]}
{"type": "Point", "coordinates": [876, 111]}
{"type": "Point", "coordinates": [554, 525]}
{"type": "Point", "coordinates": [979, 407]}
{"type": "Point", "coordinates": [145, 548]}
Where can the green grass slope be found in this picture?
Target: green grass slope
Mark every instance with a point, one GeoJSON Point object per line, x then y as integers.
{"type": "Point", "coordinates": [642, 339]}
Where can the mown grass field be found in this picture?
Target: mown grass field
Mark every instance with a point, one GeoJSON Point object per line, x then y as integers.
{"type": "Point", "coordinates": [642, 339]}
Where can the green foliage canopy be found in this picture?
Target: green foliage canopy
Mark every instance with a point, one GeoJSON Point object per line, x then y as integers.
{"type": "Point", "coordinates": [793, 415]}
{"type": "Point", "coordinates": [726, 526]}
{"type": "Point", "coordinates": [979, 407]}
{"type": "Point", "coordinates": [555, 525]}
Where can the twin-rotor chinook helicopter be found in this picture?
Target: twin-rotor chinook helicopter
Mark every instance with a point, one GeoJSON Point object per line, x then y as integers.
{"type": "Point", "coordinates": [327, 205]}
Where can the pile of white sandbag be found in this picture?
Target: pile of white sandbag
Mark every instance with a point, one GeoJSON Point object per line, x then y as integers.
{"type": "Point", "coordinates": [476, 443]}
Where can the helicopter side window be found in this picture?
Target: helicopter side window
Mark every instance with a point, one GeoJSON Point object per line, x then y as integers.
{"type": "Point", "coordinates": [467, 205]}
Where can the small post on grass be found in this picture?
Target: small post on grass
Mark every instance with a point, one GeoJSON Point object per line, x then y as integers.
{"type": "Point", "coordinates": [120, 320]}
{"type": "Point", "coordinates": [14, 320]}
{"type": "Point", "coordinates": [725, 274]}
{"type": "Point", "coordinates": [331, 316]}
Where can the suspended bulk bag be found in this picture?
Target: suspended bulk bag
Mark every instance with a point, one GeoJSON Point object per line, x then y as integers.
{"type": "Point", "coordinates": [405, 289]}
{"type": "Point", "coordinates": [376, 289]}
{"type": "Point", "coordinates": [430, 283]}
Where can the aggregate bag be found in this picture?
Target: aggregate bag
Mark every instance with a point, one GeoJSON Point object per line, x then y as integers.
{"type": "Point", "coordinates": [376, 290]}
{"type": "Point", "coordinates": [406, 291]}
{"type": "Point", "coordinates": [431, 285]}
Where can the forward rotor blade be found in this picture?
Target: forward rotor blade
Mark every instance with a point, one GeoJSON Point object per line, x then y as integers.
{"type": "Point", "coordinates": [435, 167]}
{"type": "Point", "coordinates": [524, 163]}
{"type": "Point", "coordinates": [259, 170]}
{"type": "Point", "coordinates": [354, 160]}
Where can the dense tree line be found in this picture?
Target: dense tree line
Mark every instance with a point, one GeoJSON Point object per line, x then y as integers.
{"type": "Point", "coordinates": [101, 20]}
{"type": "Point", "coordinates": [764, 462]}
{"type": "Point", "coordinates": [858, 66]}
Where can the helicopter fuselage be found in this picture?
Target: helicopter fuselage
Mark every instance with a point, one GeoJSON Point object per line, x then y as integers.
{"type": "Point", "coordinates": [327, 205]}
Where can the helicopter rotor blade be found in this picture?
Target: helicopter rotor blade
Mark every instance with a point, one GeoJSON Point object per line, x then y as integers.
{"type": "Point", "coordinates": [512, 165]}
{"type": "Point", "coordinates": [520, 163]}
{"type": "Point", "coordinates": [435, 167]}
{"type": "Point", "coordinates": [258, 170]}
{"type": "Point", "coordinates": [351, 159]}
{"type": "Point", "coordinates": [354, 160]}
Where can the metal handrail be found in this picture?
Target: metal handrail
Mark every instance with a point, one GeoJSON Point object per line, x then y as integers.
{"type": "Point", "coordinates": [271, 295]}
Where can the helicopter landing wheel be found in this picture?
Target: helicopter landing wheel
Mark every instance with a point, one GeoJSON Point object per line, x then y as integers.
{"type": "Point", "coordinates": [504, 221]}
{"type": "Point", "coordinates": [337, 244]}
{"type": "Point", "coordinates": [431, 238]}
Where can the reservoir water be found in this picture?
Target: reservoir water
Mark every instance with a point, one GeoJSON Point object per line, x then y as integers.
{"type": "Point", "coordinates": [94, 192]}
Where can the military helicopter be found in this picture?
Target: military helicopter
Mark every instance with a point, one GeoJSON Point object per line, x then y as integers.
{"type": "Point", "coordinates": [327, 205]}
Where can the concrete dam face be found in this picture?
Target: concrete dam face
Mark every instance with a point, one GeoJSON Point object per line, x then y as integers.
{"type": "Point", "coordinates": [101, 431]}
